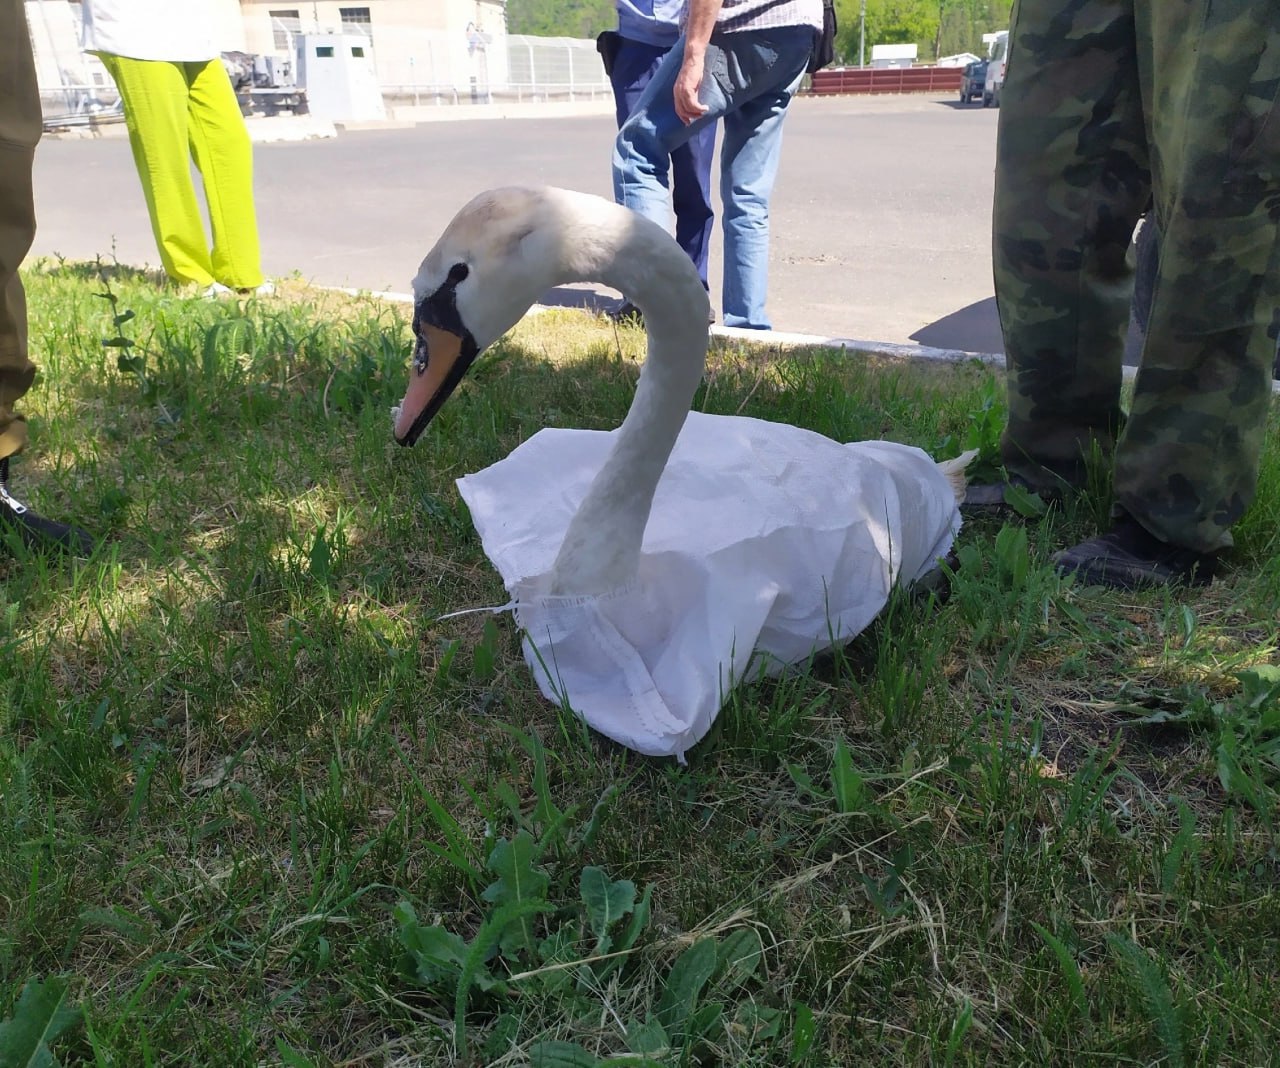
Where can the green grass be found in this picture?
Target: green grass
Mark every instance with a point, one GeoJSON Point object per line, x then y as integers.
{"type": "Point", "coordinates": [260, 805]}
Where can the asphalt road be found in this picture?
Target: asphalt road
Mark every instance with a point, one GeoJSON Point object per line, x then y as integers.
{"type": "Point", "coordinates": [880, 223]}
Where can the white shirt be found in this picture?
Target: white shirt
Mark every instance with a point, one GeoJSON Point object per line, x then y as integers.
{"type": "Point", "coordinates": [181, 31]}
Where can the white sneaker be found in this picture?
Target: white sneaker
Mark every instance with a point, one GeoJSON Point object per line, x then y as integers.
{"type": "Point", "coordinates": [265, 290]}
{"type": "Point", "coordinates": [215, 291]}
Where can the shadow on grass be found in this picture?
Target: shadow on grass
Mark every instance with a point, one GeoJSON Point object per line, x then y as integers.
{"type": "Point", "coordinates": [253, 449]}
{"type": "Point", "coordinates": [115, 271]}
{"type": "Point", "coordinates": [229, 737]}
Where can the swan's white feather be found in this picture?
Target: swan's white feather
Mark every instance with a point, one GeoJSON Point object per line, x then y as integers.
{"type": "Point", "coordinates": [651, 566]}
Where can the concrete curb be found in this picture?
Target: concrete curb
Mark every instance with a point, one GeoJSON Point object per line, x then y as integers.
{"type": "Point", "coordinates": [765, 337]}
{"type": "Point", "coordinates": [263, 129]}
{"type": "Point", "coordinates": [268, 129]}
{"type": "Point", "coordinates": [894, 350]}
{"type": "Point", "coordinates": [458, 112]}
{"type": "Point", "coordinates": [877, 348]}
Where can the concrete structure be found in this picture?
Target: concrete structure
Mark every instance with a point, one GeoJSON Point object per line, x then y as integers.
{"type": "Point", "coordinates": [960, 59]}
{"type": "Point", "coordinates": [894, 55]}
{"type": "Point", "coordinates": [336, 70]}
{"type": "Point", "coordinates": [429, 44]}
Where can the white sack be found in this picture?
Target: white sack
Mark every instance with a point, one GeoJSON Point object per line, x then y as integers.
{"type": "Point", "coordinates": [765, 541]}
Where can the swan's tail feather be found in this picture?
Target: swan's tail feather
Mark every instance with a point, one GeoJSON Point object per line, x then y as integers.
{"type": "Point", "coordinates": [955, 472]}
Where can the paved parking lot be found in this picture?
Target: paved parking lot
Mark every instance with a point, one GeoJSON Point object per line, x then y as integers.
{"type": "Point", "coordinates": [881, 216]}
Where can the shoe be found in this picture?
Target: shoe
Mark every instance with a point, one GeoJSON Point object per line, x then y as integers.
{"type": "Point", "coordinates": [937, 583]}
{"type": "Point", "coordinates": [1129, 557]}
{"type": "Point", "coordinates": [991, 497]}
{"type": "Point", "coordinates": [38, 533]}
{"type": "Point", "coordinates": [216, 290]}
{"type": "Point", "coordinates": [626, 312]}
{"type": "Point", "coordinates": [264, 290]}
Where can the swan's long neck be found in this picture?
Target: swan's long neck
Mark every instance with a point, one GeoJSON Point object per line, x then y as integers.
{"type": "Point", "coordinates": [602, 545]}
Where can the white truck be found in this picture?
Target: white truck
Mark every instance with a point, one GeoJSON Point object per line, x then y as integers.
{"type": "Point", "coordinates": [997, 57]}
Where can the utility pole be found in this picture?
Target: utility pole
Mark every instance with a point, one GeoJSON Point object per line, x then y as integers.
{"type": "Point", "coordinates": [862, 36]}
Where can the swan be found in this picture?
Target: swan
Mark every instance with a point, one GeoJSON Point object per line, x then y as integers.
{"type": "Point", "coordinates": [654, 566]}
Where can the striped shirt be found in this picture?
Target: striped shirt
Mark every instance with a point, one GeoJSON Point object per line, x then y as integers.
{"type": "Point", "coordinates": [768, 14]}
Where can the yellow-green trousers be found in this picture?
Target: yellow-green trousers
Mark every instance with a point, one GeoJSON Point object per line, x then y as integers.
{"type": "Point", "coordinates": [19, 131]}
{"type": "Point", "coordinates": [175, 112]}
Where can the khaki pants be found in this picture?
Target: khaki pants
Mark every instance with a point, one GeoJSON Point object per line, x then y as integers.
{"type": "Point", "coordinates": [20, 124]}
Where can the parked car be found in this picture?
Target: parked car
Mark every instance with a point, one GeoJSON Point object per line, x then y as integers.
{"type": "Point", "coordinates": [973, 81]}
{"type": "Point", "coordinates": [995, 70]}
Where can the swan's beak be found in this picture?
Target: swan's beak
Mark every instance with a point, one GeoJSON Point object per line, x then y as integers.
{"type": "Point", "coordinates": [440, 359]}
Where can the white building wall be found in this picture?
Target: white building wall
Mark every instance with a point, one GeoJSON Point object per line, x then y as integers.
{"type": "Point", "coordinates": [424, 43]}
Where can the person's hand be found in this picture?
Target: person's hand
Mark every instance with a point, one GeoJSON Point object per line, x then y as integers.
{"type": "Point", "coordinates": [688, 107]}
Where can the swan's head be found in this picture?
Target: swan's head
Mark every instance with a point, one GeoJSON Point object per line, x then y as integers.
{"type": "Point", "coordinates": [488, 267]}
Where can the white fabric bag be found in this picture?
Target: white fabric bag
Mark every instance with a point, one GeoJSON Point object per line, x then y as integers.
{"type": "Point", "coordinates": [766, 543]}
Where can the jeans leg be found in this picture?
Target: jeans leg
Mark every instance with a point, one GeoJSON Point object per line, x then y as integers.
{"type": "Point", "coordinates": [633, 69]}
{"type": "Point", "coordinates": [642, 151]}
{"type": "Point", "coordinates": [690, 174]}
{"type": "Point", "coordinates": [748, 167]}
{"type": "Point", "coordinates": [750, 75]}
{"type": "Point", "coordinates": [691, 196]}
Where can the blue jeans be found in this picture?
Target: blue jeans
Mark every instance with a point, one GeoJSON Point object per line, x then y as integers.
{"type": "Point", "coordinates": [748, 82]}
{"type": "Point", "coordinates": [633, 69]}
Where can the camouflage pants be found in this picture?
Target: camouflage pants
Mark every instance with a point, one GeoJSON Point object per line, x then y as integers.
{"type": "Point", "coordinates": [1109, 104]}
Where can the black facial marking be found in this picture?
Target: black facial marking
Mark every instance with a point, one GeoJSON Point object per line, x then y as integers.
{"type": "Point", "coordinates": [440, 309]}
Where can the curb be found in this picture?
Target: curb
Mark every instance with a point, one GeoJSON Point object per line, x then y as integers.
{"type": "Point", "coordinates": [892, 349]}
{"type": "Point", "coordinates": [772, 337]}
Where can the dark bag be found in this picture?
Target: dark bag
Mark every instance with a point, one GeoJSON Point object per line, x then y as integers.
{"type": "Point", "coordinates": [824, 44]}
{"type": "Point", "coordinates": [607, 44]}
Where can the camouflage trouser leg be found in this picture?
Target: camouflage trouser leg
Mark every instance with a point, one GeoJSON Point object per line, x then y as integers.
{"type": "Point", "coordinates": [1105, 103]}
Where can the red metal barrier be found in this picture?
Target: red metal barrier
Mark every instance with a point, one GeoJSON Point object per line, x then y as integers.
{"type": "Point", "coordinates": [886, 80]}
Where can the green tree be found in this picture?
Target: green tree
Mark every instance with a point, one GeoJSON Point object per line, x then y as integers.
{"type": "Point", "coordinates": [961, 24]}
{"type": "Point", "coordinates": [560, 18]}
{"type": "Point", "coordinates": [937, 27]}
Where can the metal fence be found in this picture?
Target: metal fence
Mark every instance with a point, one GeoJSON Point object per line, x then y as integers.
{"type": "Point", "coordinates": [886, 80]}
{"type": "Point", "coordinates": [547, 67]}
{"type": "Point", "coordinates": [424, 67]}
{"type": "Point", "coordinates": [74, 87]}
{"type": "Point", "coordinates": [414, 66]}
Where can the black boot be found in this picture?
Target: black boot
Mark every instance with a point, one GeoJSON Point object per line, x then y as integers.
{"type": "Point", "coordinates": [38, 533]}
{"type": "Point", "coordinates": [1129, 557]}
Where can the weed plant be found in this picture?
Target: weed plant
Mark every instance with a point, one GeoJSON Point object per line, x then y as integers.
{"type": "Point", "coordinates": [261, 804]}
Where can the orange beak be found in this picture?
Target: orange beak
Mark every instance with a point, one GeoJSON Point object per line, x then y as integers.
{"type": "Point", "coordinates": [438, 367]}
